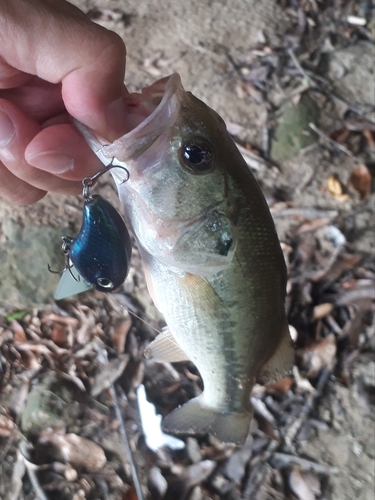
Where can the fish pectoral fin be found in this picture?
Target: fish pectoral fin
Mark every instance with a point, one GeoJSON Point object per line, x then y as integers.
{"type": "Point", "coordinates": [281, 362]}
{"type": "Point", "coordinates": [196, 418]}
{"type": "Point", "coordinates": [165, 349]}
{"type": "Point", "coordinates": [200, 292]}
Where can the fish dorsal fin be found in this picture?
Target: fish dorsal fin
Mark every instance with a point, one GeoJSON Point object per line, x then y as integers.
{"type": "Point", "coordinates": [281, 362]}
{"type": "Point", "coordinates": [165, 349]}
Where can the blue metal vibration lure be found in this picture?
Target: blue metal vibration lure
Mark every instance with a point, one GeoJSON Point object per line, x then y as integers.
{"type": "Point", "coordinates": [99, 256]}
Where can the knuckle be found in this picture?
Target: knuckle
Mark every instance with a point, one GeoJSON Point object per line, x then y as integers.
{"type": "Point", "coordinates": [113, 49]}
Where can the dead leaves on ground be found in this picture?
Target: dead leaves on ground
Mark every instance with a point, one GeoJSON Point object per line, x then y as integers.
{"type": "Point", "coordinates": [328, 298]}
{"type": "Point", "coordinates": [58, 359]}
{"type": "Point", "coordinates": [361, 180]}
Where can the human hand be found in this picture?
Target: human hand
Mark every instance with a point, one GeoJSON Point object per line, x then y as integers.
{"type": "Point", "coordinates": [54, 62]}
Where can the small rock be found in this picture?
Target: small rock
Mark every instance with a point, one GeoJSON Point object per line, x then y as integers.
{"type": "Point", "coordinates": [352, 81]}
{"type": "Point", "coordinates": [49, 404]}
{"type": "Point", "coordinates": [79, 452]}
{"type": "Point", "coordinates": [193, 450]}
{"type": "Point", "coordinates": [292, 131]}
{"type": "Point", "coordinates": [25, 253]}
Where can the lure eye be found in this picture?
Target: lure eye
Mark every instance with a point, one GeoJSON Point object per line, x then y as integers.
{"type": "Point", "coordinates": [104, 283]}
{"type": "Point", "coordinates": [197, 156]}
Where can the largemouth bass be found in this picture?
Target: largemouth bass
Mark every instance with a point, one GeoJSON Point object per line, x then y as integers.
{"type": "Point", "coordinates": [211, 255]}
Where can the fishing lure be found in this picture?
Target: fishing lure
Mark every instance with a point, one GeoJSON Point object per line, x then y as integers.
{"type": "Point", "coordinates": [99, 256]}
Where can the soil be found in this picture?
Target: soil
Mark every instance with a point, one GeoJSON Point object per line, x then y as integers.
{"type": "Point", "coordinates": [235, 56]}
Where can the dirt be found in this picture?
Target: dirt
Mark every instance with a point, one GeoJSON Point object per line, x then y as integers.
{"type": "Point", "coordinates": [215, 46]}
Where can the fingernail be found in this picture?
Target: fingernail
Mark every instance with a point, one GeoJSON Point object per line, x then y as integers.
{"type": "Point", "coordinates": [7, 130]}
{"type": "Point", "coordinates": [115, 115]}
{"type": "Point", "coordinates": [51, 161]}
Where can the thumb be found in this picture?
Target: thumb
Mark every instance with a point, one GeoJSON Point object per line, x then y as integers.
{"type": "Point", "coordinates": [59, 44]}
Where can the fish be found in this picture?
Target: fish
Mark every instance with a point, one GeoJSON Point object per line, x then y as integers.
{"type": "Point", "coordinates": [210, 252]}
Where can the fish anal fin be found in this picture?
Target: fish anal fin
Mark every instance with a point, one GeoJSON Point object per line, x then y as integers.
{"type": "Point", "coordinates": [196, 418]}
{"type": "Point", "coordinates": [281, 362]}
{"type": "Point", "coordinates": [165, 349]}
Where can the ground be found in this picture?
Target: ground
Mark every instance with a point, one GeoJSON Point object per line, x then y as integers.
{"type": "Point", "coordinates": [270, 69]}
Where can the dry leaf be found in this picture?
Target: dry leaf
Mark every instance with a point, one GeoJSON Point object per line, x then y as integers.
{"type": "Point", "coordinates": [18, 331]}
{"type": "Point", "coordinates": [299, 486]}
{"type": "Point", "coordinates": [281, 386]}
{"type": "Point", "coordinates": [319, 355]}
{"type": "Point", "coordinates": [336, 188]}
{"type": "Point", "coordinates": [370, 137]}
{"type": "Point", "coordinates": [361, 180]}
{"type": "Point", "coordinates": [293, 333]}
{"type": "Point", "coordinates": [59, 334]}
{"type": "Point", "coordinates": [312, 225]}
{"type": "Point", "coordinates": [6, 426]}
{"type": "Point", "coordinates": [120, 332]}
{"type": "Point", "coordinates": [157, 482]}
{"type": "Point", "coordinates": [253, 92]}
{"type": "Point", "coordinates": [194, 474]}
{"type": "Point", "coordinates": [64, 320]}
{"type": "Point", "coordinates": [340, 136]}
{"type": "Point", "coordinates": [321, 311]}
{"type": "Point", "coordinates": [109, 373]}
{"type": "Point", "coordinates": [79, 452]}
{"type": "Point", "coordinates": [313, 483]}
{"type": "Point", "coordinates": [130, 494]}
{"type": "Point", "coordinates": [234, 128]}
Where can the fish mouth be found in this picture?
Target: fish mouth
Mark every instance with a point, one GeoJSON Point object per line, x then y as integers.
{"type": "Point", "coordinates": [149, 114]}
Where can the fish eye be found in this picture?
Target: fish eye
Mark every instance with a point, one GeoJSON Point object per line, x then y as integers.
{"type": "Point", "coordinates": [196, 154]}
{"type": "Point", "coordinates": [105, 283]}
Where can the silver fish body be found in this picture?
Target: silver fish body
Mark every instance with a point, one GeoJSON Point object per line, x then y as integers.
{"type": "Point", "coordinates": [212, 259]}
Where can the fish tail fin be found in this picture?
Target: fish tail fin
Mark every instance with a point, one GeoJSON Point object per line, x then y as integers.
{"type": "Point", "coordinates": [195, 417]}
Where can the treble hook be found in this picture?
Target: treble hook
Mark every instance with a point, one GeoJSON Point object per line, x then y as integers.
{"type": "Point", "coordinates": [89, 182]}
{"type": "Point", "coordinates": [66, 245]}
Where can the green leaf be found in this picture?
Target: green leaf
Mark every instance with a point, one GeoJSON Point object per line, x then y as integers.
{"type": "Point", "coordinates": [16, 315]}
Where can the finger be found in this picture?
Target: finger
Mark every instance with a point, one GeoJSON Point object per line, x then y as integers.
{"type": "Point", "coordinates": [60, 44]}
{"type": "Point", "coordinates": [39, 99]}
{"type": "Point", "coordinates": [61, 150]}
{"type": "Point", "coordinates": [16, 131]}
{"type": "Point", "coordinates": [17, 191]}
{"type": "Point", "coordinates": [11, 77]}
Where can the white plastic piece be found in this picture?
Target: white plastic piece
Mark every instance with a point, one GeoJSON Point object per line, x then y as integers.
{"type": "Point", "coordinates": [68, 286]}
{"type": "Point", "coordinates": [151, 425]}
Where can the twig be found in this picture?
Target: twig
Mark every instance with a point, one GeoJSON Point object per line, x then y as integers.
{"type": "Point", "coordinates": [266, 142]}
{"type": "Point", "coordinates": [30, 467]}
{"type": "Point", "coordinates": [125, 441]}
{"type": "Point", "coordinates": [331, 141]}
{"type": "Point", "coordinates": [299, 67]}
{"type": "Point", "coordinates": [253, 161]}
{"type": "Point", "coordinates": [259, 471]}
{"type": "Point", "coordinates": [103, 357]}
{"type": "Point", "coordinates": [306, 409]}
{"type": "Point", "coordinates": [281, 460]}
{"type": "Point", "coordinates": [315, 81]}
